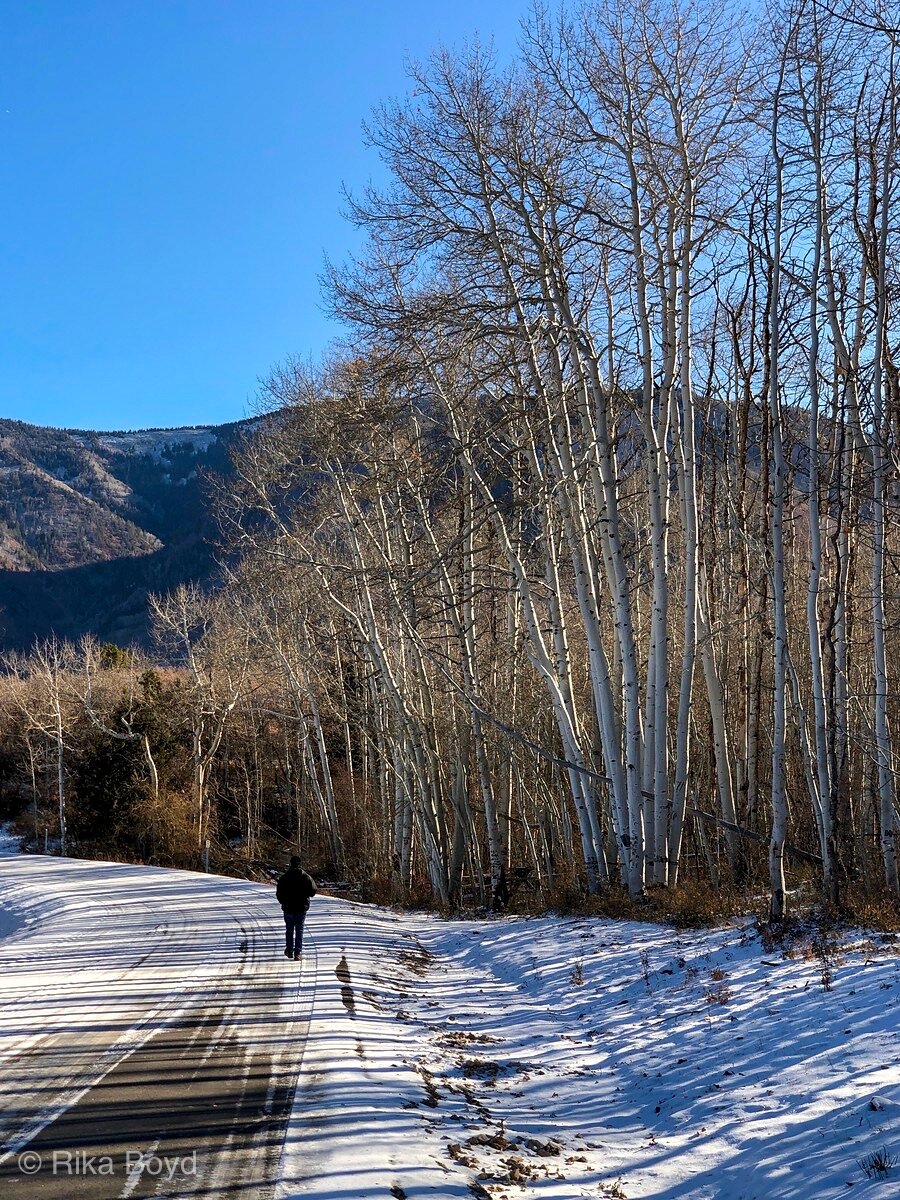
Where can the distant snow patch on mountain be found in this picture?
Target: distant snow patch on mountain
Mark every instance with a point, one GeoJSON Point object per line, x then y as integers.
{"type": "Point", "coordinates": [157, 444]}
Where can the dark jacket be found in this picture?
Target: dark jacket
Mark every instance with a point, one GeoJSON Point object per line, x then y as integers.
{"type": "Point", "coordinates": [295, 890]}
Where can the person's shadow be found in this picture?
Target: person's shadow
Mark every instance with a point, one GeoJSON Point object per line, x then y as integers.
{"type": "Point", "coordinates": [342, 970]}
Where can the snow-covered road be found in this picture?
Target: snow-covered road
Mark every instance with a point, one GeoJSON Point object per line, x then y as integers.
{"type": "Point", "coordinates": [142, 1013]}
{"type": "Point", "coordinates": [150, 1014]}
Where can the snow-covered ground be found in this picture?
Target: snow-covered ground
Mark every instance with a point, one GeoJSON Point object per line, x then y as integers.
{"type": "Point", "coordinates": [9, 841]}
{"type": "Point", "coordinates": [557, 1058]}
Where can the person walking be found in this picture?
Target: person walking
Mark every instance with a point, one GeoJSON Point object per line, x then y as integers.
{"type": "Point", "coordinates": [294, 891]}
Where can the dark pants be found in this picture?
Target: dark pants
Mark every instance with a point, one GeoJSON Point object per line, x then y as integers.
{"type": "Point", "coordinates": [293, 931]}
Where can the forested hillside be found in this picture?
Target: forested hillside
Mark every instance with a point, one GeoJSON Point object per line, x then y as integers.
{"type": "Point", "coordinates": [90, 523]}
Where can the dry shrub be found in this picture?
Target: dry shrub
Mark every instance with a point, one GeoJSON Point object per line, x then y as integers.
{"type": "Point", "coordinates": [699, 903]}
{"type": "Point", "coordinates": [692, 905]}
{"type": "Point", "coordinates": [379, 888]}
{"type": "Point", "coordinates": [167, 826]}
{"type": "Point", "coordinates": [872, 910]}
{"type": "Point", "coordinates": [420, 898]}
{"type": "Point", "coordinates": [569, 899]}
{"type": "Point", "coordinates": [720, 994]}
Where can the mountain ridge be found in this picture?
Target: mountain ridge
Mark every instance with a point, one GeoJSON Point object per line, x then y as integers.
{"type": "Point", "coordinates": [92, 521]}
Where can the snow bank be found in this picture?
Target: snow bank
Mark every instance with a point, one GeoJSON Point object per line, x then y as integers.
{"type": "Point", "coordinates": [573, 1058]}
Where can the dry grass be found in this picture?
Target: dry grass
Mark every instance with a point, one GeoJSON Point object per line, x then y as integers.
{"type": "Point", "coordinates": [870, 909]}
{"type": "Point", "coordinates": [691, 905]}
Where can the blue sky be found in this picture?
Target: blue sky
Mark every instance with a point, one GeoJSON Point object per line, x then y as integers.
{"type": "Point", "coordinates": [170, 182]}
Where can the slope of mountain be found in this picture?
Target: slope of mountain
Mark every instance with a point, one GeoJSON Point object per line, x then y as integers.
{"type": "Point", "coordinates": [91, 522]}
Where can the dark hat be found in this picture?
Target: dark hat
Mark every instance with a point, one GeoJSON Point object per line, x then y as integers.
{"type": "Point", "coordinates": [295, 861]}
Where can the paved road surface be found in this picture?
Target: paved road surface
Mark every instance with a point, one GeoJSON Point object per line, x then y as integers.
{"type": "Point", "coordinates": [150, 1034]}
